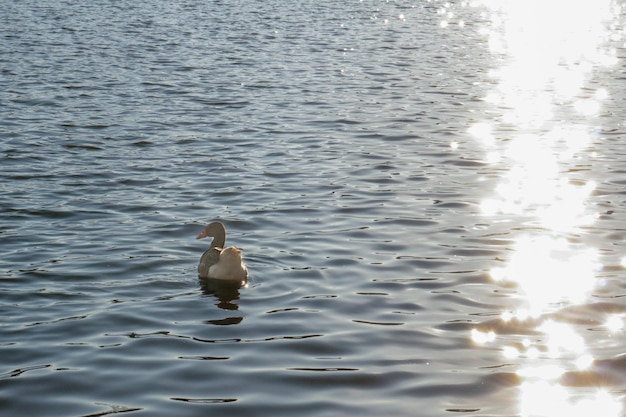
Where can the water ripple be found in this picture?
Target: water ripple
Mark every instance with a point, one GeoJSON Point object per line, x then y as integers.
{"type": "Point", "coordinates": [334, 140]}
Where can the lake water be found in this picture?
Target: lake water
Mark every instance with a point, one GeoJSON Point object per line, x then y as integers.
{"type": "Point", "coordinates": [430, 196]}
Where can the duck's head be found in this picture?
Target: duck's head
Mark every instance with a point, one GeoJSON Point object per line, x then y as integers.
{"type": "Point", "coordinates": [215, 229]}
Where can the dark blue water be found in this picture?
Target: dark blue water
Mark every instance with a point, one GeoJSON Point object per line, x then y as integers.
{"type": "Point", "coordinates": [431, 228]}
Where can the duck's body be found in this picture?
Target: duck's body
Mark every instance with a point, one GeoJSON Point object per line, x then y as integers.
{"type": "Point", "coordinates": [217, 263]}
{"type": "Point", "coordinates": [230, 266]}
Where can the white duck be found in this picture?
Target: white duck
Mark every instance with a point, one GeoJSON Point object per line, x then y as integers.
{"type": "Point", "coordinates": [219, 262]}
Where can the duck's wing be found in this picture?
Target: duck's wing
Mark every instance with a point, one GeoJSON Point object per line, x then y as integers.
{"type": "Point", "coordinates": [210, 257]}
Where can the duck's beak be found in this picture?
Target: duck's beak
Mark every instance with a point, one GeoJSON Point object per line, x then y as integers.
{"type": "Point", "coordinates": [201, 235]}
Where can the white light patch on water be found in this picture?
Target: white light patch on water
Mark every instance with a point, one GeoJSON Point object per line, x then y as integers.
{"type": "Point", "coordinates": [549, 270]}
{"type": "Point", "coordinates": [614, 323]}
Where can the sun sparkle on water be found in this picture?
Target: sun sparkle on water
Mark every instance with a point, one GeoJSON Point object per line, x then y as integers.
{"type": "Point", "coordinates": [545, 53]}
{"type": "Point", "coordinates": [614, 323]}
{"type": "Point", "coordinates": [541, 398]}
{"type": "Point", "coordinates": [480, 337]}
{"type": "Point", "coordinates": [549, 271]}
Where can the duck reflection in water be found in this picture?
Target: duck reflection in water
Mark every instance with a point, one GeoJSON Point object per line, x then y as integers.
{"type": "Point", "coordinates": [226, 292]}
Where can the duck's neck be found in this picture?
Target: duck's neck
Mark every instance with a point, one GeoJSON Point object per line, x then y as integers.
{"type": "Point", "coordinates": [219, 239]}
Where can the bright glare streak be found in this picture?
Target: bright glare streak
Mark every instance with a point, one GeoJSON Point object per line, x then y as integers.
{"type": "Point", "coordinates": [584, 362]}
{"type": "Point", "coordinates": [552, 400]}
{"type": "Point", "coordinates": [525, 29]}
{"type": "Point", "coordinates": [546, 117]}
{"type": "Point", "coordinates": [561, 338]}
{"type": "Point", "coordinates": [601, 94]}
{"type": "Point", "coordinates": [522, 314]}
{"type": "Point", "coordinates": [614, 324]}
{"type": "Point", "coordinates": [587, 107]}
{"type": "Point", "coordinates": [482, 132]}
{"type": "Point", "coordinates": [532, 353]}
{"type": "Point", "coordinates": [507, 316]}
{"type": "Point", "coordinates": [542, 399]}
{"type": "Point", "coordinates": [542, 372]}
{"type": "Point", "coordinates": [545, 74]}
{"type": "Point", "coordinates": [533, 183]}
{"type": "Point", "coordinates": [483, 337]}
{"type": "Point", "coordinates": [510, 352]}
{"type": "Point", "coordinates": [549, 270]}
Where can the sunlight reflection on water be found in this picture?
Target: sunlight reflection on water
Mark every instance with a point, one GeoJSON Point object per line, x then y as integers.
{"type": "Point", "coordinates": [549, 271]}
{"type": "Point", "coordinates": [546, 54]}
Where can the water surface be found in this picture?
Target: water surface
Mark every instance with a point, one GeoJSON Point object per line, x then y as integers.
{"type": "Point", "coordinates": [429, 195]}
